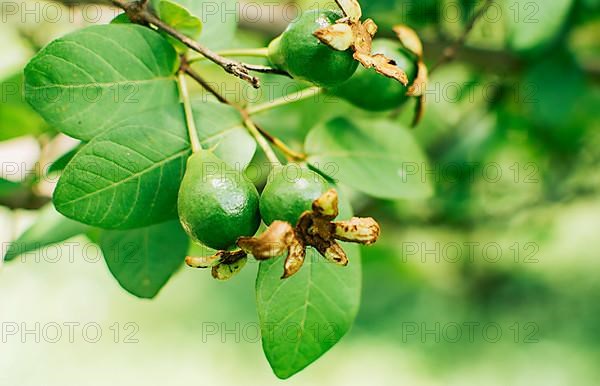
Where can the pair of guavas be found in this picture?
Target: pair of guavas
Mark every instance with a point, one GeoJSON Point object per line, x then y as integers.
{"type": "Point", "coordinates": [218, 204]}
{"type": "Point", "coordinates": [306, 58]}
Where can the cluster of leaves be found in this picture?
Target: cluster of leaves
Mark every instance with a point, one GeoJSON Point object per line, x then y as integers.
{"type": "Point", "coordinates": [114, 88]}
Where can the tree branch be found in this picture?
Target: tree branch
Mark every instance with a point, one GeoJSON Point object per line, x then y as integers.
{"type": "Point", "coordinates": [203, 83]}
{"type": "Point", "coordinates": [258, 133]}
{"type": "Point", "coordinates": [138, 12]}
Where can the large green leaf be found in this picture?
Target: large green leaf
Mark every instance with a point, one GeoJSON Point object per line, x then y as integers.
{"type": "Point", "coordinates": [49, 228]}
{"type": "Point", "coordinates": [304, 316]}
{"type": "Point", "coordinates": [377, 157]}
{"type": "Point", "coordinates": [90, 80]}
{"type": "Point", "coordinates": [129, 177]}
{"type": "Point", "coordinates": [143, 260]}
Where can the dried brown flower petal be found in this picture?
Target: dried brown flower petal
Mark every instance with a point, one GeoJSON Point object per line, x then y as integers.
{"type": "Point", "coordinates": [334, 253]}
{"type": "Point", "coordinates": [225, 271]}
{"type": "Point", "coordinates": [370, 27]}
{"type": "Point", "coordinates": [351, 9]}
{"type": "Point", "coordinates": [327, 205]}
{"type": "Point", "coordinates": [337, 36]}
{"type": "Point", "coordinates": [363, 37]}
{"type": "Point", "coordinates": [271, 243]}
{"type": "Point", "coordinates": [383, 65]}
{"type": "Point", "coordinates": [295, 259]}
{"type": "Point", "coordinates": [202, 261]}
{"type": "Point", "coordinates": [359, 230]}
{"type": "Point", "coordinates": [409, 39]}
{"type": "Point", "coordinates": [419, 85]}
{"type": "Point", "coordinates": [419, 110]}
{"type": "Point", "coordinates": [217, 258]}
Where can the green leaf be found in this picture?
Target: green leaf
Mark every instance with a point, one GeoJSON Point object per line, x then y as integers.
{"type": "Point", "coordinates": [16, 117]}
{"type": "Point", "coordinates": [61, 162]}
{"type": "Point", "coordinates": [376, 157]}
{"type": "Point", "coordinates": [129, 177]}
{"type": "Point", "coordinates": [143, 260]}
{"type": "Point", "coordinates": [181, 19]}
{"type": "Point", "coordinates": [304, 316]}
{"type": "Point", "coordinates": [49, 228]}
{"type": "Point", "coordinates": [219, 20]}
{"type": "Point", "coordinates": [534, 23]}
{"type": "Point", "coordinates": [92, 79]}
{"type": "Point", "coordinates": [121, 19]}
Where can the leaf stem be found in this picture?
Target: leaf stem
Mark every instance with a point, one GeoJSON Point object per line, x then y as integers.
{"type": "Point", "coordinates": [285, 100]}
{"type": "Point", "coordinates": [261, 136]}
{"type": "Point", "coordinates": [243, 52]}
{"type": "Point", "coordinates": [289, 153]}
{"type": "Point", "coordinates": [262, 142]}
{"type": "Point", "coordinates": [189, 115]}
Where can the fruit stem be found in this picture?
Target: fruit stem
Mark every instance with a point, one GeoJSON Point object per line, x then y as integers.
{"type": "Point", "coordinates": [189, 115]}
{"type": "Point", "coordinates": [285, 100]}
{"type": "Point", "coordinates": [263, 136]}
{"type": "Point", "coordinates": [289, 153]}
{"type": "Point", "coordinates": [262, 142]}
{"type": "Point", "coordinates": [243, 52]}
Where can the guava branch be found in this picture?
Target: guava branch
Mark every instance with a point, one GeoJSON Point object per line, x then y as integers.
{"type": "Point", "coordinates": [138, 12]}
{"type": "Point", "coordinates": [261, 136]}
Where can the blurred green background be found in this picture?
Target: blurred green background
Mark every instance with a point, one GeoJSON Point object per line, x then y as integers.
{"type": "Point", "coordinates": [493, 281]}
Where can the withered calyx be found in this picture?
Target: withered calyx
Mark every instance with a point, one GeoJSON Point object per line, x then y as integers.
{"type": "Point", "coordinates": [316, 228]}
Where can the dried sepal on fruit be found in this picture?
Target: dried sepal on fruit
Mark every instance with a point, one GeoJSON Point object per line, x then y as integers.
{"type": "Point", "coordinates": [351, 9]}
{"type": "Point", "coordinates": [279, 238]}
{"type": "Point", "coordinates": [337, 36]}
{"type": "Point", "coordinates": [211, 261]}
{"type": "Point", "coordinates": [295, 258]}
{"type": "Point", "coordinates": [273, 242]}
{"type": "Point", "coordinates": [326, 206]}
{"type": "Point", "coordinates": [410, 39]}
{"type": "Point", "coordinates": [419, 85]}
{"type": "Point", "coordinates": [351, 32]}
{"type": "Point", "coordinates": [419, 111]}
{"type": "Point", "coordinates": [224, 264]}
{"type": "Point", "coordinates": [316, 229]}
{"type": "Point", "coordinates": [225, 271]}
{"type": "Point", "coordinates": [335, 254]}
{"type": "Point", "coordinates": [204, 262]}
{"type": "Point", "coordinates": [384, 66]}
{"type": "Point", "coordinates": [363, 230]}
